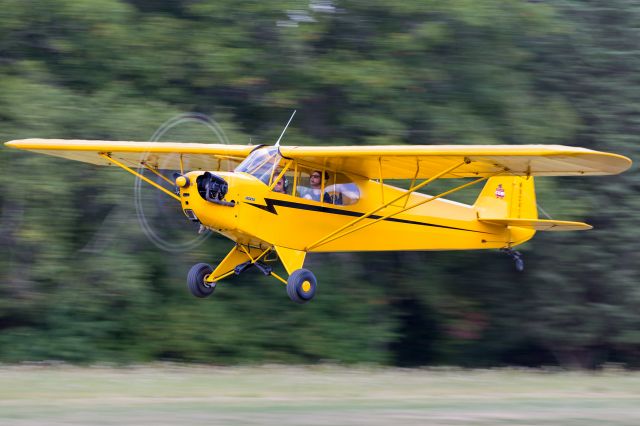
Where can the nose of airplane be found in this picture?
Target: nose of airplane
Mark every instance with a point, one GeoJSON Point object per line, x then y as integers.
{"type": "Point", "coordinates": [182, 181]}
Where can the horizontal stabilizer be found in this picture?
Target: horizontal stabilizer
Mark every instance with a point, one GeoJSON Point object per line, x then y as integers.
{"type": "Point", "coordinates": [539, 224]}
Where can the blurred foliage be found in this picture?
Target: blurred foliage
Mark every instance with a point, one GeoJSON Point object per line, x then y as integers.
{"type": "Point", "coordinates": [81, 282]}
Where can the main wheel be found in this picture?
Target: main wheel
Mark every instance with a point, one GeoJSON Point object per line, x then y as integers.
{"type": "Point", "coordinates": [195, 280]}
{"type": "Point", "coordinates": [301, 286]}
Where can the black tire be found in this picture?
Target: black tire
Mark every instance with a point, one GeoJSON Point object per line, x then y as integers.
{"type": "Point", "coordinates": [195, 280]}
{"type": "Point", "coordinates": [301, 286]}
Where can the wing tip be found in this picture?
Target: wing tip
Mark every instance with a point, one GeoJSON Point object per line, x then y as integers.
{"type": "Point", "coordinates": [22, 143]}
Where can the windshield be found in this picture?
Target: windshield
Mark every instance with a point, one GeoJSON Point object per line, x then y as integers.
{"type": "Point", "coordinates": [261, 163]}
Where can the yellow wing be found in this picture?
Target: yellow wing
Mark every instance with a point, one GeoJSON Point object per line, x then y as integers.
{"type": "Point", "coordinates": [159, 155]}
{"type": "Point", "coordinates": [386, 162]}
{"type": "Point", "coordinates": [424, 161]}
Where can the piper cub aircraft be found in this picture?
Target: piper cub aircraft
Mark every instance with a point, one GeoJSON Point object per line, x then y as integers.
{"type": "Point", "coordinates": [293, 200]}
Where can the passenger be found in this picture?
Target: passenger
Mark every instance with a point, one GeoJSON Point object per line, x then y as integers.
{"type": "Point", "coordinates": [315, 181]}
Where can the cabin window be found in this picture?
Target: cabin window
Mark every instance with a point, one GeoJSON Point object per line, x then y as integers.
{"type": "Point", "coordinates": [343, 193]}
{"type": "Point", "coordinates": [261, 163]}
{"type": "Point", "coordinates": [266, 164]}
{"type": "Point", "coordinates": [336, 188]}
{"type": "Point", "coordinates": [302, 187]}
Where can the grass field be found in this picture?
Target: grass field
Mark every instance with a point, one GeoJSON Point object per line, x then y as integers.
{"type": "Point", "coordinates": [276, 395]}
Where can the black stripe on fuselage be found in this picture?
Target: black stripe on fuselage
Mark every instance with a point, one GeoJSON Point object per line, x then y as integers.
{"type": "Point", "coordinates": [271, 203]}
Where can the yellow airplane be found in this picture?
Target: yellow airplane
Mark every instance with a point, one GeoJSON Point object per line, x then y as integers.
{"type": "Point", "coordinates": [294, 200]}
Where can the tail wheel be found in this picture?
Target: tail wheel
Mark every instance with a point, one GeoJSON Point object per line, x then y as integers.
{"type": "Point", "coordinates": [516, 256]}
{"type": "Point", "coordinates": [519, 264]}
{"type": "Point", "coordinates": [196, 280]}
{"type": "Point", "coordinates": [301, 286]}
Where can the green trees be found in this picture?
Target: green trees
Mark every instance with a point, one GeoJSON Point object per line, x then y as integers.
{"type": "Point", "coordinates": [586, 308]}
{"type": "Point", "coordinates": [81, 282]}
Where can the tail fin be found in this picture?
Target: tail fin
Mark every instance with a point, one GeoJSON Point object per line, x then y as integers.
{"type": "Point", "coordinates": [511, 201]}
{"type": "Point", "coordinates": [509, 197]}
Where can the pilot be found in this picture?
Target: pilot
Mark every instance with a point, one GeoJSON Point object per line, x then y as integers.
{"type": "Point", "coordinates": [282, 186]}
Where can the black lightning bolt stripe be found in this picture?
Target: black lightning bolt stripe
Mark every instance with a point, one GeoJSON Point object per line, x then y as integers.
{"type": "Point", "coordinates": [271, 203]}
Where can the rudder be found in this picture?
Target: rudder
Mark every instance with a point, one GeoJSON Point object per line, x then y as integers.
{"type": "Point", "coordinates": [512, 197]}
{"type": "Point", "coordinates": [508, 196]}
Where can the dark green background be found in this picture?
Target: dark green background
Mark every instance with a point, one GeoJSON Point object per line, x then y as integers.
{"type": "Point", "coordinates": [79, 280]}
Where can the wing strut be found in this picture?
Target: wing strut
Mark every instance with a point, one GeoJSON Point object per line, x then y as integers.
{"type": "Point", "coordinates": [138, 175]}
{"type": "Point", "coordinates": [336, 234]}
{"type": "Point", "coordinates": [157, 173]}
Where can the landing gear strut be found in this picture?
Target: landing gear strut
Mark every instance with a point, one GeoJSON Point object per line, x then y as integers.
{"type": "Point", "coordinates": [516, 256]}
{"type": "Point", "coordinates": [301, 285]}
{"type": "Point", "coordinates": [263, 267]}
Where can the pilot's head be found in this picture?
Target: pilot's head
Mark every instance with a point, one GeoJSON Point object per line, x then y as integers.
{"type": "Point", "coordinates": [282, 185]}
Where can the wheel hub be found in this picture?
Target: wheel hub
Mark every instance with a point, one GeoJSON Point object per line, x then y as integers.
{"type": "Point", "coordinates": [207, 284]}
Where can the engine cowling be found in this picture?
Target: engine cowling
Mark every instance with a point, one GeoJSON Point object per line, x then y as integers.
{"type": "Point", "coordinates": [212, 187]}
{"type": "Point", "coordinates": [205, 198]}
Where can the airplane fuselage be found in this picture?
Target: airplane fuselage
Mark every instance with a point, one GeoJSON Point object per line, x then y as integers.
{"type": "Point", "coordinates": [260, 217]}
